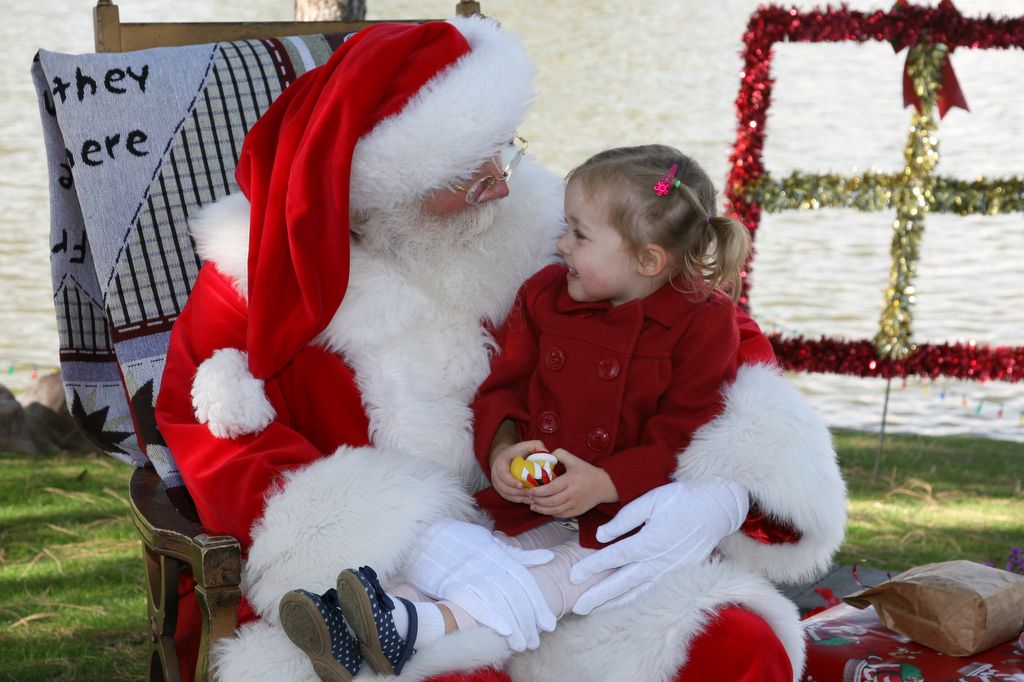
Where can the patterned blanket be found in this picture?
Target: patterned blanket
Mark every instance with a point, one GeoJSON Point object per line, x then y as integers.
{"type": "Point", "coordinates": [137, 142]}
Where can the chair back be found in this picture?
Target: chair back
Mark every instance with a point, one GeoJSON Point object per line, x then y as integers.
{"type": "Point", "coordinates": [137, 143]}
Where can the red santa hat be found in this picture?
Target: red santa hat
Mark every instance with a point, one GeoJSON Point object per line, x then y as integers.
{"type": "Point", "coordinates": [398, 111]}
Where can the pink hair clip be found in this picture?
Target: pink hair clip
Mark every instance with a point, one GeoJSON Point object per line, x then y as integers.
{"type": "Point", "coordinates": [667, 182]}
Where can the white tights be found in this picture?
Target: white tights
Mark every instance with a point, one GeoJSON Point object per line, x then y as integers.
{"type": "Point", "coordinates": [552, 577]}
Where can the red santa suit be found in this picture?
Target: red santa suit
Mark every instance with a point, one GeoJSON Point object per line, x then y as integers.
{"type": "Point", "coordinates": [348, 428]}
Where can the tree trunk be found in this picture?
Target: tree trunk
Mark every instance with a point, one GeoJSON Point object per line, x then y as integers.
{"type": "Point", "coordinates": [330, 10]}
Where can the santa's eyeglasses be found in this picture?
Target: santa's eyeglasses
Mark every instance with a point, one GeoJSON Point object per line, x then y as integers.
{"type": "Point", "coordinates": [477, 189]}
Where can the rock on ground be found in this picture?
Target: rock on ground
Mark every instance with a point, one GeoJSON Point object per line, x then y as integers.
{"type": "Point", "coordinates": [38, 420]}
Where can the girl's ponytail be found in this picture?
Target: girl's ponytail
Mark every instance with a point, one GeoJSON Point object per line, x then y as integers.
{"type": "Point", "coordinates": [711, 249]}
{"type": "Point", "coordinates": [730, 250]}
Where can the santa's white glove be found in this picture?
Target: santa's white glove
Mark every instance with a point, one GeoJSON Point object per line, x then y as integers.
{"type": "Point", "coordinates": [465, 564]}
{"type": "Point", "coordinates": [685, 521]}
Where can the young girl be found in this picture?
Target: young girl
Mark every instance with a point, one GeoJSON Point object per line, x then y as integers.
{"type": "Point", "coordinates": [610, 361]}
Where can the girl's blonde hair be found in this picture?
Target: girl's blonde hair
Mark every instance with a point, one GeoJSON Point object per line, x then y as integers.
{"type": "Point", "coordinates": [706, 252]}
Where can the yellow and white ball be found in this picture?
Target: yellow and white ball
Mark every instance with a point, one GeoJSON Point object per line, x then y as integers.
{"type": "Point", "coordinates": [535, 470]}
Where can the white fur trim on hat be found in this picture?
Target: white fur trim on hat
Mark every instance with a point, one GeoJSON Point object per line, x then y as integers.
{"type": "Point", "coordinates": [228, 398]}
{"type": "Point", "coordinates": [769, 440]}
{"type": "Point", "coordinates": [221, 233]}
{"type": "Point", "coordinates": [451, 125]}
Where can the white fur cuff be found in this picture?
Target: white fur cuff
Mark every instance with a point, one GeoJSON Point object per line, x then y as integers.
{"type": "Point", "coordinates": [769, 440]}
{"type": "Point", "coordinates": [228, 398]}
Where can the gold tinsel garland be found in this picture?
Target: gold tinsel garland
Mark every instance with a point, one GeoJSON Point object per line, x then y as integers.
{"type": "Point", "coordinates": [874, 191]}
{"type": "Point", "coordinates": [924, 66]}
{"type": "Point", "coordinates": [914, 193]}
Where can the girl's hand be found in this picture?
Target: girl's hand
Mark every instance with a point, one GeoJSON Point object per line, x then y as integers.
{"type": "Point", "coordinates": [582, 487]}
{"type": "Point", "coordinates": [501, 464]}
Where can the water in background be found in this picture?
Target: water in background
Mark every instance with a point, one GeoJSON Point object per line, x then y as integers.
{"type": "Point", "coordinates": [665, 72]}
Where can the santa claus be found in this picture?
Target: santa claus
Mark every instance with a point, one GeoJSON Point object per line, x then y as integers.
{"type": "Point", "coordinates": [318, 381]}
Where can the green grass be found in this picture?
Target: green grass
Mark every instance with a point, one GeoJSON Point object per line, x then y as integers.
{"type": "Point", "coordinates": [72, 605]}
{"type": "Point", "coordinates": [934, 499]}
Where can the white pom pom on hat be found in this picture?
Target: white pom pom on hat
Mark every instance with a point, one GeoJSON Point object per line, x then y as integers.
{"type": "Point", "coordinates": [228, 398]}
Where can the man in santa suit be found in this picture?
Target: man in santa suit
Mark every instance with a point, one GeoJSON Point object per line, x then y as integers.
{"type": "Point", "coordinates": [318, 381]}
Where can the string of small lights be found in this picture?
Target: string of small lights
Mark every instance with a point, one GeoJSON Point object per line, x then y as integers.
{"type": "Point", "coordinates": [974, 401]}
{"type": "Point", "coordinates": [10, 367]}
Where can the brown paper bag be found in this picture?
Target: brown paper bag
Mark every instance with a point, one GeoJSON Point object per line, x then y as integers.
{"type": "Point", "coordinates": [956, 607]}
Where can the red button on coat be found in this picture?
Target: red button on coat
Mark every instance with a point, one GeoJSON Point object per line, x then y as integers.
{"type": "Point", "coordinates": [555, 359]}
{"type": "Point", "coordinates": [608, 368]}
{"type": "Point", "coordinates": [548, 422]}
{"type": "Point", "coordinates": [598, 439]}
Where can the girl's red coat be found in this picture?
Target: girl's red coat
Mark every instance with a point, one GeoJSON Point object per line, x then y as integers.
{"type": "Point", "coordinates": [621, 387]}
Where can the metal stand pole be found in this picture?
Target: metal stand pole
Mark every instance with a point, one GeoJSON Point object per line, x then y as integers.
{"type": "Point", "coordinates": [881, 435]}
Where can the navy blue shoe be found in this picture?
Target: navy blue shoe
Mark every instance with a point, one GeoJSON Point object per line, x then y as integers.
{"type": "Point", "coordinates": [315, 624]}
{"type": "Point", "coordinates": [367, 609]}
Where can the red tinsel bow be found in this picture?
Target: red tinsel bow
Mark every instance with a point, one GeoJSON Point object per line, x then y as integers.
{"type": "Point", "coordinates": [949, 94]}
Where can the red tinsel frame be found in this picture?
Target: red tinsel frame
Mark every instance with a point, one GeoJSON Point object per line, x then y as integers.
{"type": "Point", "coordinates": [902, 25]}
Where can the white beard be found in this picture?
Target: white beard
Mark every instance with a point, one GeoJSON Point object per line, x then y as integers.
{"type": "Point", "coordinates": [410, 323]}
{"type": "Point", "coordinates": [469, 263]}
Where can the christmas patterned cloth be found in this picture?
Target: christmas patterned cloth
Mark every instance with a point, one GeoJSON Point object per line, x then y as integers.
{"type": "Point", "coordinates": [846, 644]}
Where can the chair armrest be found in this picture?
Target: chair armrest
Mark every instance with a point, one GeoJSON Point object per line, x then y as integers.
{"type": "Point", "coordinates": [164, 528]}
{"type": "Point", "coordinates": [169, 541]}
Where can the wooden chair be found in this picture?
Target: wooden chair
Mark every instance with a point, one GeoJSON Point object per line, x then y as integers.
{"type": "Point", "coordinates": [98, 327]}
